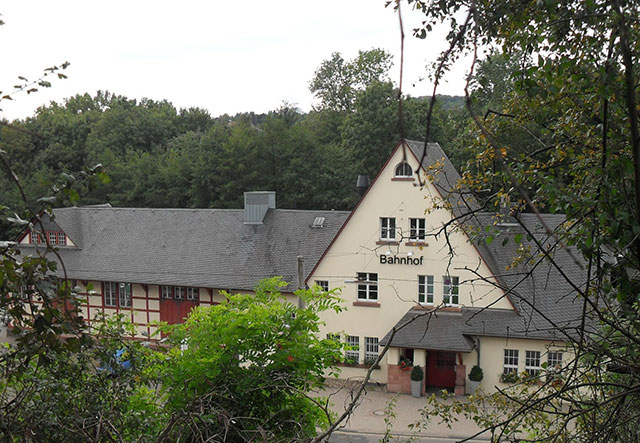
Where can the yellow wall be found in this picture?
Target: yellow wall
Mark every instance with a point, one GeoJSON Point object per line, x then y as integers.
{"type": "Point", "coordinates": [357, 249]}
{"type": "Point", "coordinates": [492, 356]}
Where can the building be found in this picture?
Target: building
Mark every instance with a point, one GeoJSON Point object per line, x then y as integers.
{"type": "Point", "coordinates": [456, 302]}
{"type": "Point", "coordinates": [156, 264]}
{"type": "Point", "coordinates": [469, 304]}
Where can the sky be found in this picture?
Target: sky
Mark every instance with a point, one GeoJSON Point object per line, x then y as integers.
{"type": "Point", "coordinates": [226, 57]}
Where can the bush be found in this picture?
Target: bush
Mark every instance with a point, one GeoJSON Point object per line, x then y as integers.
{"type": "Point", "coordinates": [476, 373]}
{"type": "Point", "coordinates": [417, 374]}
{"type": "Point", "coordinates": [509, 377]}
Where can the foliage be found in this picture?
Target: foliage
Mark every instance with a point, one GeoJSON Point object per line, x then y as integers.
{"type": "Point", "coordinates": [565, 140]}
{"type": "Point", "coordinates": [417, 374]}
{"type": "Point", "coordinates": [74, 393]}
{"type": "Point", "coordinates": [476, 373]}
{"type": "Point", "coordinates": [337, 81]}
{"type": "Point", "coordinates": [240, 370]}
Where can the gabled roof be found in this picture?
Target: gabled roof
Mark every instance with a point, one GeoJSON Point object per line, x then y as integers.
{"type": "Point", "coordinates": [547, 305]}
{"type": "Point", "coordinates": [191, 247]}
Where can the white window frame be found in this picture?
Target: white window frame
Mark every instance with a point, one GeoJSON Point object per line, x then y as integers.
{"type": "Point", "coordinates": [451, 290]}
{"type": "Point", "coordinates": [193, 294]}
{"type": "Point", "coordinates": [368, 286]}
{"type": "Point", "coordinates": [179, 292]}
{"type": "Point", "coordinates": [324, 285]}
{"type": "Point", "coordinates": [166, 292]}
{"type": "Point", "coordinates": [352, 341]}
{"type": "Point", "coordinates": [417, 229]}
{"type": "Point", "coordinates": [371, 348]}
{"type": "Point", "coordinates": [62, 239]}
{"type": "Point", "coordinates": [387, 228]}
{"type": "Point", "coordinates": [125, 294]}
{"type": "Point", "coordinates": [401, 170]}
{"type": "Point", "coordinates": [110, 294]}
{"type": "Point", "coordinates": [532, 363]}
{"type": "Point", "coordinates": [36, 237]}
{"type": "Point", "coordinates": [53, 237]}
{"type": "Point", "coordinates": [510, 362]}
{"type": "Point", "coordinates": [554, 360]}
{"type": "Point", "coordinates": [425, 289]}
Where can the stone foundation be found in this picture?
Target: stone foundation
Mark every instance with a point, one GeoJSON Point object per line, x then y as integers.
{"type": "Point", "coordinates": [399, 380]}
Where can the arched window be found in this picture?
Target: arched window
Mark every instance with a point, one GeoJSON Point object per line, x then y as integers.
{"type": "Point", "coordinates": [403, 170]}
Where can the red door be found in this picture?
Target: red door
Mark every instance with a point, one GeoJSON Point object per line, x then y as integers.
{"type": "Point", "coordinates": [174, 307]}
{"type": "Point", "coordinates": [441, 369]}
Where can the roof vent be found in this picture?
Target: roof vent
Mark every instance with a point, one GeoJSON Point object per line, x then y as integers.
{"type": "Point", "coordinates": [318, 222]}
{"type": "Point", "coordinates": [256, 205]}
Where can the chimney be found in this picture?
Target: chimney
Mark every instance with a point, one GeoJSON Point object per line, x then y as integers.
{"type": "Point", "coordinates": [256, 205]}
{"type": "Point", "coordinates": [362, 184]}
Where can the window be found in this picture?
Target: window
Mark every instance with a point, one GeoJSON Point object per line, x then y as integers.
{"type": "Point", "coordinates": [36, 237]}
{"type": "Point", "coordinates": [110, 290]}
{"type": "Point", "coordinates": [324, 284]}
{"type": "Point", "coordinates": [124, 292]}
{"type": "Point", "coordinates": [418, 230]}
{"type": "Point", "coordinates": [403, 170]}
{"type": "Point", "coordinates": [367, 286]}
{"type": "Point", "coordinates": [178, 292]}
{"type": "Point", "coordinates": [353, 353]}
{"type": "Point", "coordinates": [166, 291]}
{"type": "Point", "coordinates": [370, 349]}
{"type": "Point", "coordinates": [333, 337]}
{"type": "Point", "coordinates": [554, 360]}
{"type": "Point", "coordinates": [193, 294]}
{"type": "Point", "coordinates": [451, 290]}
{"type": "Point", "coordinates": [532, 363]}
{"type": "Point", "coordinates": [53, 237]}
{"type": "Point", "coordinates": [425, 289]}
{"type": "Point", "coordinates": [510, 361]}
{"type": "Point", "coordinates": [387, 228]}
{"type": "Point", "coordinates": [318, 222]}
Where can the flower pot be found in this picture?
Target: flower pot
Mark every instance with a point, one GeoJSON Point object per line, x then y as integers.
{"type": "Point", "coordinates": [473, 385]}
{"type": "Point", "coordinates": [416, 388]}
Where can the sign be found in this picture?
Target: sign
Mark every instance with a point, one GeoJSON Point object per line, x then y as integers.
{"type": "Point", "coordinates": [395, 260]}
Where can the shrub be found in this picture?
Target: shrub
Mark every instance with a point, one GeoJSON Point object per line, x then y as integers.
{"type": "Point", "coordinates": [417, 374]}
{"type": "Point", "coordinates": [476, 373]}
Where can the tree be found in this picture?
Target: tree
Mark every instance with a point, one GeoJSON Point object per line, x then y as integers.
{"type": "Point", "coordinates": [337, 81]}
{"type": "Point", "coordinates": [575, 101]}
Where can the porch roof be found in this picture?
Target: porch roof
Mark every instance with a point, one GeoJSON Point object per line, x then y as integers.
{"type": "Point", "coordinates": [442, 331]}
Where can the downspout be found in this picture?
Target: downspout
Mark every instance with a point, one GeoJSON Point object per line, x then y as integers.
{"type": "Point", "coordinates": [301, 284]}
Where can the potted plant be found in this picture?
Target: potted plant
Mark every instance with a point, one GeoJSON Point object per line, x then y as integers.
{"type": "Point", "coordinates": [416, 381]}
{"type": "Point", "coordinates": [405, 364]}
{"type": "Point", "coordinates": [475, 376]}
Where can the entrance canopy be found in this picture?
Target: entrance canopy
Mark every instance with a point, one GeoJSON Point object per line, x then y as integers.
{"type": "Point", "coordinates": [434, 330]}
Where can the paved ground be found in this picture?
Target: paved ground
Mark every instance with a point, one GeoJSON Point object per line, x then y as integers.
{"type": "Point", "coordinates": [367, 424]}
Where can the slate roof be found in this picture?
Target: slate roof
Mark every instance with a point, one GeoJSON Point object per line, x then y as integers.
{"type": "Point", "coordinates": [441, 331]}
{"type": "Point", "coordinates": [191, 247]}
{"type": "Point", "coordinates": [547, 306]}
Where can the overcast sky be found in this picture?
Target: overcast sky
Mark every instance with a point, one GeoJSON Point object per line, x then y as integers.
{"type": "Point", "coordinates": [226, 57]}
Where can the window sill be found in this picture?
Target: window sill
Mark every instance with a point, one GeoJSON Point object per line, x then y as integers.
{"type": "Point", "coordinates": [403, 179]}
{"type": "Point", "coordinates": [356, 365]}
{"type": "Point", "coordinates": [416, 243]}
{"type": "Point", "coordinates": [368, 304]}
{"type": "Point", "coordinates": [424, 307]}
{"type": "Point", "coordinates": [388, 242]}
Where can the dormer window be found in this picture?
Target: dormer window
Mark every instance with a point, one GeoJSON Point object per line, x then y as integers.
{"type": "Point", "coordinates": [403, 170]}
{"type": "Point", "coordinates": [54, 237]}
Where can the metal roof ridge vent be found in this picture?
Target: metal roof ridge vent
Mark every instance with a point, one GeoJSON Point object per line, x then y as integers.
{"type": "Point", "coordinates": [256, 205]}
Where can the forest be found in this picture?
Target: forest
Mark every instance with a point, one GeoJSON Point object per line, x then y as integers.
{"type": "Point", "coordinates": [158, 156]}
